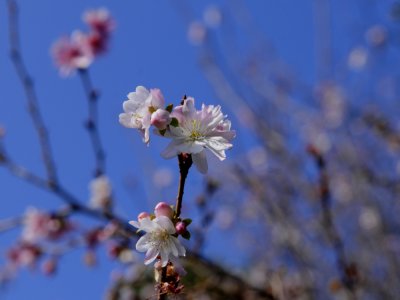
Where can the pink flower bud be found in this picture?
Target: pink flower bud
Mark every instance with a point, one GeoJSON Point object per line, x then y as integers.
{"type": "Point", "coordinates": [49, 267]}
{"type": "Point", "coordinates": [157, 98]}
{"type": "Point", "coordinates": [160, 118]}
{"type": "Point", "coordinates": [180, 227]}
{"type": "Point", "coordinates": [143, 215]}
{"type": "Point", "coordinates": [163, 209]}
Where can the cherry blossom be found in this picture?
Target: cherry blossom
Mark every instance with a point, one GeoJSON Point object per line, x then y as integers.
{"type": "Point", "coordinates": [198, 130]}
{"type": "Point", "coordinates": [100, 21]}
{"type": "Point", "coordinates": [39, 226]}
{"type": "Point", "coordinates": [139, 108]}
{"type": "Point", "coordinates": [72, 53]}
{"type": "Point", "coordinates": [101, 192]}
{"type": "Point", "coordinates": [158, 240]}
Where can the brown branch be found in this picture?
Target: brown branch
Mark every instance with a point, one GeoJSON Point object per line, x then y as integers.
{"type": "Point", "coordinates": [92, 121]}
{"type": "Point", "coordinates": [185, 162]}
{"type": "Point", "coordinates": [347, 274]}
{"type": "Point", "coordinates": [30, 93]}
{"type": "Point", "coordinates": [57, 189]}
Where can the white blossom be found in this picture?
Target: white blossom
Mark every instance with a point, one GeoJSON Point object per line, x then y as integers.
{"type": "Point", "coordinates": [139, 108]}
{"type": "Point", "coordinates": [158, 240]}
{"type": "Point", "coordinates": [100, 192]}
{"type": "Point", "coordinates": [198, 130]}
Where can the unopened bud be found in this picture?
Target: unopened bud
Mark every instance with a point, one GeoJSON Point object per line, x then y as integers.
{"type": "Point", "coordinates": [163, 209]}
{"type": "Point", "coordinates": [160, 119]}
{"type": "Point", "coordinates": [143, 215]}
{"type": "Point", "coordinates": [49, 267]}
{"type": "Point", "coordinates": [90, 258]}
{"type": "Point", "coordinates": [180, 227]}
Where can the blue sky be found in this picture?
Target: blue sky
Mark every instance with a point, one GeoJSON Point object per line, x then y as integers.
{"type": "Point", "coordinates": [150, 48]}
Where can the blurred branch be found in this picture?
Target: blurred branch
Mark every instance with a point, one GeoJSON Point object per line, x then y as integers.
{"type": "Point", "coordinates": [344, 268]}
{"type": "Point", "coordinates": [323, 39]}
{"type": "Point", "coordinates": [27, 83]}
{"type": "Point", "coordinates": [10, 223]}
{"type": "Point", "coordinates": [92, 121]}
{"type": "Point", "coordinates": [57, 189]}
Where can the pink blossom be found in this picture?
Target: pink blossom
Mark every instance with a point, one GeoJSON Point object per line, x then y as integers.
{"type": "Point", "coordinates": [24, 254]}
{"type": "Point", "coordinates": [72, 53]}
{"type": "Point", "coordinates": [39, 226]}
{"type": "Point", "coordinates": [100, 21]}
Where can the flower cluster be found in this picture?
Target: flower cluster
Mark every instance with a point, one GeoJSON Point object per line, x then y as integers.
{"type": "Point", "coordinates": [40, 226]}
{"type": "Point", "coordinates": [80, 49]}
{"type": "Point", "coordinates": [191, 131]}
{"type": "Point", "coordinates": [161, 231]}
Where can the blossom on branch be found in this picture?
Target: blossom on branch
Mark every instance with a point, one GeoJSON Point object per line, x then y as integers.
{"type": "Point", "coordinates": [198, 130]}
{"type": "Point", "coordinates": [100, 21]}
{"type": "Point", "coordinates": [100, 193]}
{"type": "Point", "coordinates": [139, 107]}
{"type": "Point", "coordinates": [79, 50]}
{"type": "Point", "coordinates": [43, 226]}
{"type": "Point", "coordinates": [158, 240]}
{"type": "Point", "coordinates": [72, 53]}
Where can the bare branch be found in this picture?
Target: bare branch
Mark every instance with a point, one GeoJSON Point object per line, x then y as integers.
{"type": "Point", "coordinates": [30, 93]}
{"type": "Point", "coordinates": [92, 121]}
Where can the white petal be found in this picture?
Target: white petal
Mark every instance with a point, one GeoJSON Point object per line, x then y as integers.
{"type": "Point", "coordinates": [164, 253]}
{"type": "Point", "coordinates": [228, 135]}
{"type": "Point", "coordinates": [151, 255]}
{"type": "Point", "coordinates": [143, 244]}
{"type": "Point", "coordinates": [148, 225]}
{"type": "Point", "coordinates": [190, 147]}
{"type": "Point", "coordinates": [166, 224]}
{"type": "Point", "coordinates": [179, 247]}
{"type": "Point", "coordinates": [188, 106]}
{"type": "Point", "coordinates": [126, 120]}
{"type": "Point", "coordinates": [173, 248]}
{"type": "Point", "coordinates": [218, 143]}
{"type": "Point", "coordinates": [176, 131]}
{"type": "Point", "coordinates": [146, 136]}
{"type": "Point", "coordinates": [141, 94]}
{"type": "Point", "coordinates": [170, 151]}
{"type": "Point", "coordinates": [135, 224]}
{"type": "Point", "coordinates": [200, 161]}
{"type": "Point", "coordinates": [131, 106]}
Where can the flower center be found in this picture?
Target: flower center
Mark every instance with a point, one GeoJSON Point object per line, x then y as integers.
{"type": "Point", "coordinates": [195, 131]}
{"type": "Point", "coordinates": [159, 237]}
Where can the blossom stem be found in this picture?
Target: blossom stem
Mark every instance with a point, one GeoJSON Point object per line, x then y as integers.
{"type": "Point", "coordinates": [185, 162]}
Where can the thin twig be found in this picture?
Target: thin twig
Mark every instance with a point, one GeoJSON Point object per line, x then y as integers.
{"type": "Point", "coordinates": [30, 93]}
{"type": "Point", "coordinates": [57, 189]}
{"type": "Point", "coordinates": [92, 121]}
